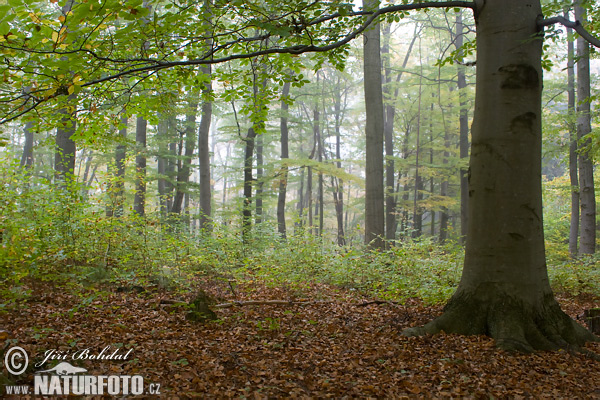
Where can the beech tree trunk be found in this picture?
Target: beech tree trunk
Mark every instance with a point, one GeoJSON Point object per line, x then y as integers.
{"type": "Point", "coordinates": [504, 291]}
{"type": "Point", "coordinates": [162, 135]}
{"type": "Point", "coordinates": [283, 124]}
{"type": "Point", "coordinates": [27, 157]}
{"type": "Point", "coordinates": [204, 155]}
{"type": "Point", "coordinates": [388, 129]}
{"type": "Point", "coordinates": [338, 183]}
{"type": "Point", "coordinates": [259, 179]}
{"type": "Point", "coordinates": [463, 120]}
{"type": "Point", "coordinates": [587, 196]}
{"type": "Point", "coordinates": [139, 199]}
{"type": "Point", "coordinates": [374, 190]}
{"type": "Point", "coordinates": [64, 155]}
{"type": "Point", "coordinates": [248, 161]}
{"type": "Point", "coordinates": [573, 174]}
{"type": "Point", "coordinates": [183, 173]}
{"type": "Point", "coordinates": [116, 193]}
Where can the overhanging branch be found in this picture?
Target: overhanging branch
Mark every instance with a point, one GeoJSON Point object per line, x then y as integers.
{"type": "Point", "coordinates": [295, 50]}
{"type": "Point", "coordinates": [153, 65]}
{"type": "Point", "coordinates": [575, 25]}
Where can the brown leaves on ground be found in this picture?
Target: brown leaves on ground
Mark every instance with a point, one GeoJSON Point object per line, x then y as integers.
{"type": "Point", "coordinates": [322, 350]}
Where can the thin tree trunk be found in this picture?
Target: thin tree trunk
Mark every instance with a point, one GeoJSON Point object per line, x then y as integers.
{"type": "Point", "coordinates": [309, 198]}
{"type": "Point", "coordinates": [573, 175]}
{"type": "Point", "coordinates": [183, 173]}
{"type": "Point", "coordinates": [587, 194]}
{"type": "Point", "coordinates": [300, 206]}
{"type": "Point", "coordinates": [338, 192]}
{"type": "Point", "coordinates": [27, 157]}
{"type": "Point", "coordinates": [247, 210]}
{"type": "Point", "coordinates": [388, 128]}
{"type": "Point", "coordinates": [64, 156]}
{"type": "Point", "coordinates": [283, 180]}
{"type": "Point", "coordinates": [171, 164]}
{"type": "Point", "coordinates": [259, 179]}
{"type": "Point", "coordinates": [204, 155]}
{"type": "Point", "coordinates": [161, 182]}
{"type": "Point", "coordinates": [417, 214]}
{"type": "Point", "coordinates": [319, 146]}
{"type": "Point", "coordinates": [120, 159]}
{"type": "Point", "coordinates": [139, 200]}
{"type": "Point", "coordinates": [116, 186]}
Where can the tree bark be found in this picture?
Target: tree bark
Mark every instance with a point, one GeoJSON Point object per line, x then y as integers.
{"type": "Point", "coordinates": [27, 157]}
{"type": "Point", "coordinates": [204, 154]}
{"type": "Point", "coordinates": [64, 155]}
{"type": "Point", "coordinates": [338, 183]}
{"type": "Point", "coordinates": [319, 146]}
{"type": "Point", "coordinates": [139, 199]}
{"type": "Point", "coordinates": [284, 142]}
{"type": "Point", "coordinates": [417, 196]}
{"type": "Point", "coordinates": [259, 179]}
{"type": "Point", "coordinates": [463, 120]}
{"type": "Point", "coordinates": [573, 175]}
{"type": "Point", "coordinates": [117, 193]}
{"type": "Point", "coordinates": [504, 291]}
{"type": "Point", "coordinates": [248, 161]}
{"type": "Point", "coordinates": [183, 173]}
{"type": "Point", "coordinates": [388, 129]}
{"type": "Point", "coordinates": [587, 196]}
{"type": "Point", "coordinates": [374, 190]}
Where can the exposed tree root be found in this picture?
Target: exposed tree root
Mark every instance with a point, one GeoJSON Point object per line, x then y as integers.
{"type": "Point", "coordinates": [512, 322]}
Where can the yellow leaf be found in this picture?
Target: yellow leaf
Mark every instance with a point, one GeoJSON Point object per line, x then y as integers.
{"type": "Point", "coordinates": [71, 89]}
{"type": "Point", "coordinates": [44, 40]}
{"type": "Point", "coordinates": [34, 18]}
{"type": "Point", "coordinates": [88, 46]}
{"type": "Point", "coordinates": [54, 36]}
{"type": "Point", "coordinates": [62, 18]}
{"type": "Point", "coordinates": [60, 76]}
{"type": "Point", "coordinates": [50, 92]}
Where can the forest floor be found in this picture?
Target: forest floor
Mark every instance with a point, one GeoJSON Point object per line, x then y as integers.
{"type": "Point", "coordinates": [335, 347]}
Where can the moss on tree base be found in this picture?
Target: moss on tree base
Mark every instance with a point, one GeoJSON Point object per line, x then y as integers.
{"type": "Point", "coordinates": [515, 324]}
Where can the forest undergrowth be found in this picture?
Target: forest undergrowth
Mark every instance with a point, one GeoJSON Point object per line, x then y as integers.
{"type": "Point", "coordinates": [73, 278]}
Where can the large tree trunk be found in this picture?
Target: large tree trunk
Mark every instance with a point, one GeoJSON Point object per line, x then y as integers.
{"type": "Point", "coordinates": [463, 131]}
{"type": "Point", "coordinates": [573, 175]}
{"type": "Point", "coordinates": [139, 199]}
{"type": "Point", "coordinates": [374, 193]}
{"type": "Point", "coordinates": [504, 291]}
{"type": "Point", "coordinates": [587, 196]}
{"type": "Point", "coordinates": [281, 228]}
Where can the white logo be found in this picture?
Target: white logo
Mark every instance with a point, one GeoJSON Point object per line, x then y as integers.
{"type": "Point", "coordinates": [64, 368]}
